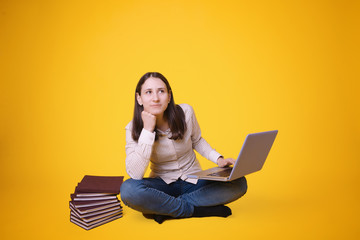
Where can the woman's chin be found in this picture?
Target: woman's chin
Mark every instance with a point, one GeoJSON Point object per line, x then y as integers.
{"type": "Point", "coordinates": [157, 112]}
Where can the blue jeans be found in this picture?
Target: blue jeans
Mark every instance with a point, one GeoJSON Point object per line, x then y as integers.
{"type": "Point", "coordinates": [177, 199]}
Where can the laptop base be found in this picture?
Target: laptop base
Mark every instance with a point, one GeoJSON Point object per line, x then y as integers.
{"type": "Point", "coordinates": [212, 174]}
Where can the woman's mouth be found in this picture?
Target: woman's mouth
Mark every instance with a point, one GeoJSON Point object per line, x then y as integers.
{"type": "Point", "coordinates": [156, 105]}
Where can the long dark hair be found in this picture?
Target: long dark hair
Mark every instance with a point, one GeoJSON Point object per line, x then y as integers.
{"type": "Point", "coordinates": [173, 114]}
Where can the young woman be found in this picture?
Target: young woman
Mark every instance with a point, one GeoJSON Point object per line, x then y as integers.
{"type": "Point", "coordinates": [164, 135]}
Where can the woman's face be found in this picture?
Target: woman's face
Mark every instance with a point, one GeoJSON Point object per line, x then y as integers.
{"type": "Point", "coordinates": [154, 96]}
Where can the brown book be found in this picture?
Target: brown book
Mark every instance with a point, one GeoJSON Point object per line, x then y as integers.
{"type": "Point", "coordinates": [75, 197]}
{"type": "Point", "coordinates": [96, 217]}
{"type": "Point", "coordinates": [82, 204]}
{"type": "Point", "coordinates": [84, 210]}
{"type": "Point", "coordinates": [100, 184]}
{"type": "Point", "coordinates": [91, 225]}
{"type": "Point", "coordinates": [80, 194]}
{"type": "Point", "coordinates": [94, 213]}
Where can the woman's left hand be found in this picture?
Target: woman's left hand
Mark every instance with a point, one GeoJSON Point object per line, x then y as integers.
{"type": "Point", "coordinates": [223, 162]}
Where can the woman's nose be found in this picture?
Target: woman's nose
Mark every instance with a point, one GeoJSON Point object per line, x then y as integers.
{"type": "Point", "coordinates": [155, 97]}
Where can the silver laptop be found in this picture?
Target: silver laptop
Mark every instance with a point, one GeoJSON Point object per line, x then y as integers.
{"type": "Point", "coordinates": [251, 159]}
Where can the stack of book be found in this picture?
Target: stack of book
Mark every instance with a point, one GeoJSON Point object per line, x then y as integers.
{"type": "Point", "coordinates": [95, 201]}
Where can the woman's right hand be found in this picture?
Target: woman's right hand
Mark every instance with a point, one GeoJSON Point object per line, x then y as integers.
{"type": "Point", "coordinates": [149, 121]}
{"type": "Point", "coordinates": [223, 162]}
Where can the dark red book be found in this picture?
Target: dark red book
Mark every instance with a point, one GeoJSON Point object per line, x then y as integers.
{"type": "Point", "coordinates": [93, 224]}
{"type": "Point", "coordinates": [81, 194]}
{"type": "Point", "coordinates": [75, 197]}
{"type": "Point", "coordinates": [100, 184]}
{"type": "Point", "coordinates": [93, 218]}
{"type": "Point", "coordinates": [90, 214]}
{"type": "Point", "coordinates": [82, 204]}
{"type": "Point", "coordinates": [91, 209]}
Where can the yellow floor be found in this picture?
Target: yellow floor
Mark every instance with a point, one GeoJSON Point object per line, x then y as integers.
{"type": "Point", "coordinates": [258, 215]}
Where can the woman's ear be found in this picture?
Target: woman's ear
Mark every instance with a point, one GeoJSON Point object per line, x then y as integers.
{"type": "Point", "coordinates": [138, 98]}
{"type": "Point", "coordinates": [169, 96]}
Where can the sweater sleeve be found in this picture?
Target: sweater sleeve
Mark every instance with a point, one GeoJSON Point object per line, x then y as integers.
{"type": "Point", "coordinates": [199, 143]}
{"type": "Point", "coordinates": [138, 153]}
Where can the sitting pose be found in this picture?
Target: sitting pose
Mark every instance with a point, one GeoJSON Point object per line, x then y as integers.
{"type": "Point", "coordinates": [164, 135]}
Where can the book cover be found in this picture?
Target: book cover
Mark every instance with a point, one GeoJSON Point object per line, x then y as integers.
{"type": "Point", "coordinates": [101, 211]}
{"type": "Point", "coordinates": [84, 210]}
{"type": "Point", "coordinates": [85, 226]}
{"type": "Point", "coordinates": [81, 194]}
{"type": "Point", "coordinates": [75, 197]}
{"type": "Point", "coordinates": [82, 204]}
{"type": "Point", "coordinates": [100, 184]}
{"type": "Point", "coordinates": [96, 217]}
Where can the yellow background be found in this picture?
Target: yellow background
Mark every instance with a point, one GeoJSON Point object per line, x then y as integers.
{"type": "Point", "coordinates": [68, 75]}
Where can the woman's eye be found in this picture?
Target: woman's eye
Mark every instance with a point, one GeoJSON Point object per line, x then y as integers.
{"type": "Point", "coordinates": [147, 92]}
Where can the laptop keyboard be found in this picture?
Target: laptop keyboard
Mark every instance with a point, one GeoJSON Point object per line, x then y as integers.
{"type": "Point", "coordinates": [223, 173]}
